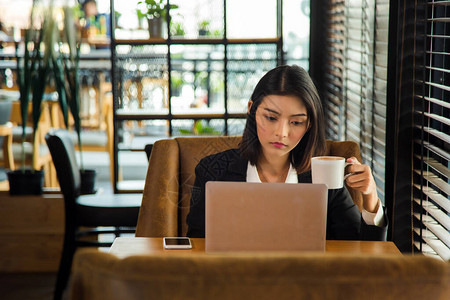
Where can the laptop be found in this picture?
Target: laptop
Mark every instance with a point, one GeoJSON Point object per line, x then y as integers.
{"type": "Point", "coordinates": [244, 216]}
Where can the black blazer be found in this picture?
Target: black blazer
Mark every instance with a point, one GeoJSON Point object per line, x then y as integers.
{"type": "Point", "coordinates": [344, 220]}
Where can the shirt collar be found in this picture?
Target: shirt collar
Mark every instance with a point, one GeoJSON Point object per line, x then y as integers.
{"type": "Point", "coordinates": [252, 174]}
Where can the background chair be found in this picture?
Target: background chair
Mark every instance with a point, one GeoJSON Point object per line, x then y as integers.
{"type": "Point", "coordinates": [6, 156]}
{"type": "Point", "coordinates": [148, 150]}
{"type": "Point", "coordinates": [98, 275]}
{"type": "Point", "coordinates": [85, 210]}
{"type": "Point", "coordinates": [166, 196]}
{"type": "Point", "coordinates": [96, 135]}
{"type": "Point", "coordinates": [100, 138]}
{"type": "Point", "coordinates": [37, 155]}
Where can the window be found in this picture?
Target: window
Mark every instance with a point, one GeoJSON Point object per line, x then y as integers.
{"type": "Point", "coordinates": [195, 76]}
{"type": "Point", "coordinates": [431, 144]}
{"type": "Point", "coordinates": [417, 140]}
{"type": "Point", "coordinates": [353, 88]}
{"type": "Point", "coordinates": [399, 115]}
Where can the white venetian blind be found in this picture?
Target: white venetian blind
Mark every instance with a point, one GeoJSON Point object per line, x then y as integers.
{"type": "Point", "coordinates": [355, 84]}
{"type": "Point", "coordinates": [431, 200]}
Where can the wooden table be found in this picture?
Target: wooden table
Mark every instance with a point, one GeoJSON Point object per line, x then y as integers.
{"type": "Point", "coordinates": [124, 246]}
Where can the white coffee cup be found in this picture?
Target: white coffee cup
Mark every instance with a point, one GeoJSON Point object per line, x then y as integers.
{"type": "Point", "coordinates": [329, 170]}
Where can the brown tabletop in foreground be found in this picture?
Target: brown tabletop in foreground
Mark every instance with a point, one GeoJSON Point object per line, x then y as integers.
{"type": "Point", "coordinates": [124, 246]}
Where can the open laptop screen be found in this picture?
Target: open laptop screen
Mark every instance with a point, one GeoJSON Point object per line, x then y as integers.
{"type": "Point", "coordinates": [243, 216]}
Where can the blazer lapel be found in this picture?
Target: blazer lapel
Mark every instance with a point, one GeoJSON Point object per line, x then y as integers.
{"type": "Point", "coordinates": [237, 169]}
{"type": "Point", "coordinates": [305, 177]}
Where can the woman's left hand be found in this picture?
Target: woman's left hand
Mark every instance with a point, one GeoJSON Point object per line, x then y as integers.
{"type": "Point", "coordinates": [362, 181]}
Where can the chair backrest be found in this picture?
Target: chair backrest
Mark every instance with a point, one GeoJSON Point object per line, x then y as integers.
{"type": "Point", "coordinates": [100, 275]}
{"type": "Point", "coordinates": [170, 177]}
{"type": "Point", "coordinates": [63, 156]}
{"type": "Point", "coordinates": [38, 157]}
{"type": "Point", "coordinates": [5, 110]}
{"type": "Point", "coordinates": [6, 155]}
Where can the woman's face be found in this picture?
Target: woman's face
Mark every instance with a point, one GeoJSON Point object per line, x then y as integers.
{"type": "Point", "coordinates": [281, 122]}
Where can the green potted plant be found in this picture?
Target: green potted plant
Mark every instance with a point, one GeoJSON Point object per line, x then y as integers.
{"type": "Point", "coordinates": [140, 17]}
{"type": "Point", "coordinates": [155, 12]}
{"type": "Point", "coordinates": [32, 75]}
{"type": "Point", "coordinates": [203, 28]}
{"type": "Point", "coordinates": [200, 127]}
{"type": "Point", "coordinates": [177, 83]}
{"type": "Point", "coordinates": [117, 16]}
{"type": "Point", "coordinates": [217, 88]}
{"type": "Point", "coordinates": [177, 29]}
{"type": "Point", "coordinates": [217, 33]}
{"type": "Point", "coordinates": [201, 79]}
{"type": "Point", "coordinates": [66, 67]}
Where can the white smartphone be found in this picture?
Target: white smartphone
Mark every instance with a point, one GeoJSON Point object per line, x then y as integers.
{"type": "Point", "coordinates": [177, 243]}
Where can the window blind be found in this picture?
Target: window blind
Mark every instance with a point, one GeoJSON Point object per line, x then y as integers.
{"type": "Point", "coordinates": [431, 174]}
{"type": "Point", "coordinates": [333, 93]}
{"type": "Point", "coordinates": [355, 81]}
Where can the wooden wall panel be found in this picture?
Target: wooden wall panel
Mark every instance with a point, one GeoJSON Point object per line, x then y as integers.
{"type": "Point", "coordinates": [31, 232]}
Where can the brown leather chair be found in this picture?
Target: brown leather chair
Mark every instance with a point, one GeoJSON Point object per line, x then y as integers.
{"type": "Point", "coordinates": [99, 275]}
{"type": "Point", "coordinates": [170, 177]}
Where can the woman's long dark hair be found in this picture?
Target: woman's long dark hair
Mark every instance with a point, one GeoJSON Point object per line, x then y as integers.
{"type": "Point", "coordinates": [287, 81]}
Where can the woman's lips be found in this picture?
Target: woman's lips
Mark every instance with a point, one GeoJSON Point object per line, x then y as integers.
{"type": "Point", "coordinates": [278, 145]}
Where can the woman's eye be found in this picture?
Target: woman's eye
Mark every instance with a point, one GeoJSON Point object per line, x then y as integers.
{"type": "Point", "coordinates": [296, 123]}
{"type": "Point", "coordinates": [270, 118]}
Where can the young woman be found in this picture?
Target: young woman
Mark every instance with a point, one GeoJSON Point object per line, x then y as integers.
{"type": "Point", "coordinates": [284, 130]}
